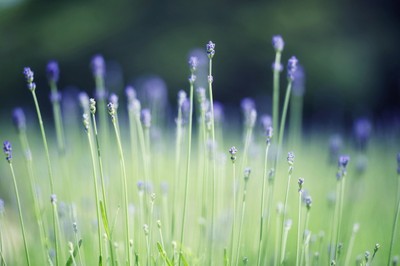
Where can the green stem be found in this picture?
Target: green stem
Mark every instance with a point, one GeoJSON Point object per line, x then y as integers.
{"type": "Point", "coordinates": [32, 180]}
{"type": "Point", "coordinates": [241, 222]}
{"type": "Point", "coordinates": [350, 247]}
{"type": "Point", "coordinates": [275, 95]}
{"type": "Point", "coordinates": [125, 186]}
{"type": "Point", "coordinates": [189, 149]}
{"type": "Point", "coordinates": [233, 212]}
{"type": "Point", "coordinates": [56, 233]}
{"type": "Point", "coordinates": [213, 155]}
{"type": "Point", "coordinates": [283, 244]}
{"type": "Point", "coordinates": [394, 231]}
{"type": "Point", "coordinates": [263, 203]}
{"type": "Point", "coordinates": [340, 214]}
{"type": "Point", "coordinates": [283, 118]}
{"type": "Point", "coordinates": [58, 119]}
{"type": "Point", "coordinates": [304, 236]}
{"type": "Point", "coordinates": [103, 187]}
{"type": "Point", "coordinates": [44, 141]}
{"type": "Point", "coordinates": [298, 230]}
{"type": "Point", "coordinates": [95, 193]}
{"type": "Point", "coordinates": [20, 215]}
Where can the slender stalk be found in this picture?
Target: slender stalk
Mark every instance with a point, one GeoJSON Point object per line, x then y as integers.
{"type": "Point", "coordinates": [239, 242]}
{"type": "Point", "coordinates": [394, 231]}
{"type": "Point", "coordinates": [233, 211]}
{"type": "Point", "coordinates": [298, 230]}
{"type": "Point", "coordinates": [56, 229]}
{"type": "Point", "coordinates": [28, 261]}
{"type": "Point", "coordinates": [334, 224]}
{"type": "Point", "coordinates": [96, 194]}
{"type": "Point", "coordinates": [213, 155]}
{"type": "Point", "coordinates": [161, 234]}
{"type": "Point", "coordinates": [351, 244]}
{"type": "Point", "coordinates": [57, 117]}
{"type": "Point", "coordinates": [304, 233]}
{"type": "Point", "coordinates": [262, 215]}
{"type": "Point", "coordinates": [340, 213]}
{"type": "Point", "coordinates": [285, 234]}
{"type": "Point", "coordinates": [75, 228]}
{"type": "Point", "coordinates": [146, 233]}
{"type": "Point", "coordinates": [44, 141]}
{"type": "Point", "coordinates": [124, 179]}
{"type": "Point", "coordinates": [275, 93]}
{"type": "Point", "coordinates": [283, 118]}
{"type": "Point", "coordinates": [101, 171]}
{"type": "Point", "coordinates": [32, 181]}
{"type": "Point", "coordinates": [277, 231]}
{"type": "Point", "coordinates": [283, 244]}
{"type": "Point", "coordinates": [189, 149]}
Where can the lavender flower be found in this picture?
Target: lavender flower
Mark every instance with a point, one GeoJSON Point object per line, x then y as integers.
{"type": "Point", "coordinates": [362, 132]}
{"type": "Point", "coordinates": [247, 104]}
{"type": "Point", "coordinates": [114, 100]}
{"type": "Point", "coordinates": [335, 144]}
{"type": "Point", "coordinates": [98, 66]}
{"type": "Point", "coordinates": [85, 120]}
{"type": "Point", "coordinates": [269, 134]}
{"type": "Point", "coordinates": [233, 152]}
{"type": "Point", "coordinates": [299, 81]}
{"type": "Point", "coordinates": [53, 198]}
{"type": "Point", "coordinates": [300, 182]}
{"type": "Point", "coordinates": [130, 93]}
{"type": "Point", "coordinates": [52, 71]}
{"type": "Point", "coordinates": [28, 73]}
{"type": "Point", "coordinates": [193, 63]}
{"type": "Point", "coordinates": [7, 150]}
{"type": "Point", "coordinates": [140, 186]}
{"type": "Point", "coordinates": [84, 101]}
{"type": "Point", "coordinates": [290, 158]}
{"type": "Point", "coordinates": [308, 201]}
{"type": "Point", "coordinates": [182, 97]}
{"type": "Point", "coordinates": [342, 164]}
{"type": "Point", "coordinates": [146, 118]}
{"type": "Point", "coordinates": [210, 47]}
{"type": "Point", "coordinates": [278, 43]}
{"type": "Point", "coordinates": [18, 118]}
{"type": "Point", "coordinates": [266, 121]}
{"type": "Point", "coordinates": [92, 105]}
{"type": "Point", "coordinates": [292, 67]}
{"type": "Point", "coordinates": [111, 110]}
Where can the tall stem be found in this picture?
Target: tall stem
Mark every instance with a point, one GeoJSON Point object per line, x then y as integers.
{"type": "Point", "coordinates": [275, 95]}
{"type": "Point", "coordinates": [20, 214]}
{"type": "Point", "coordinates": [189, 149]}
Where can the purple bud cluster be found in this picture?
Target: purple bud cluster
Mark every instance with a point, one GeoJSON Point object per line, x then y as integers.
{"type": "Point", "coordinates": [28, 73]}
{"type": "Point", "coordinates": [210, 47]}
{"type": "Point", "coordinates": [18, 118]}
{"type": "Point", "coordinates": [278, 43]}
{"type": "Point", "coordinates": [7, 150]}
{"type": "Point", "coordinates": [52, 71]}
{"type": "Point", "coordinates": [146, 118]}
{"type": "Point", "coordinates": [233, 152]}
{"type": "Point", "coordinates": [342, 165]}
{"type": "Point", "coordinates": [98, 66]}
{"type": "Point", "coordinates": [292, 67]}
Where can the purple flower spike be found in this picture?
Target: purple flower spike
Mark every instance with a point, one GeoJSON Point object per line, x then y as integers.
{"type": "Point", "coordinates": [247, 105]}
{"type": "Point", "coordinates": [98, 66]}
{"type": "Point", "coordinates": [130, 93]}
{"type": "Point", "coordinates": [19, 120]}
{"type": "Point", "coordinates": [278, 43]}
{"type": "Point", "coordinates": [193, 63]}
{"type": "Point", "coordinates": [292, 67]}
{"type": "Point", "coordinates": [210, 47]}
{"type": "Point", "coordinates": [146, 118]}
{"type": "Point", "coordinates": [266, 121]}
{"type": "Point", "coordinates": [343, 161]}
{"type": "Point", "coordinates": [28, 73]}
{"type": "Point", "coordinates": [53, 72]}
{"type": "Point", "coordinates": [362, 132]}
{"type": "Point", "coordinates": [7, 150]}
{"type": "Point", "coordinates": [299, 81]}
{"type": "Point", "coordinates": [218, 112]}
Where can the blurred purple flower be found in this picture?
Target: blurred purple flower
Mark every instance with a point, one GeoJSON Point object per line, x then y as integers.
{"type": "Point", "coordinates": [52, 71]}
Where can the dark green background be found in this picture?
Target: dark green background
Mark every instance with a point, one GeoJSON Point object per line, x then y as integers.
{"type": "Point", "coordinates": [350, 49]}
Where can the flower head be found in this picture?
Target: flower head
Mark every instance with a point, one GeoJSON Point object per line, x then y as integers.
{"type": "Point", "coordinates": [92, 105]}
{"type": "Point", "coordinates": [130, 93]}
{"type": "Point", "coordinates": [193, 63]}
{"type": "Point", "coordinates": [18, 117]}
{"type": "Point", "coordinates": [292, 67]}
{"type": "Point", "coordinates": [233, 152]}
{"type": "Point", "coordinates": [290, 158]}
{"type": "Point", "coordinates": [53, 198]}
{"type": "Point", "coordinates": [278, 43]}
{"type": "Point", "coordinates": [114, 100]}
{"type": "Point", "coordinates": [98, 66]}
{"type": "Point", "coordinates": [28, 73]}
{"type": "Point", "coordinates": [247, 172]}
{"type": "Point", "coordinates": [146, 118]}
{"type": "Point", "coordinates": [7, 150]}
{"type": "Point", "coordinates": [52, 71]}
{"type": "Point", "coordinates": [182, 96]}
{"type": "Point", "coordinates": [210, 47]}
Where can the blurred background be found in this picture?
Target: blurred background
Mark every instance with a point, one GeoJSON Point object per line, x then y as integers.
{"type": "Point", "coordinates": [349, 50]}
